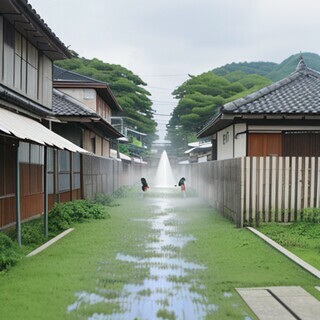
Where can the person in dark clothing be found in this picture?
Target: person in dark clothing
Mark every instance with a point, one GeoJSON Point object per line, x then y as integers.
{"type": "Point", "coordinates": [145, 186]}
{"type": "Point", "coordinates": [181, 184]}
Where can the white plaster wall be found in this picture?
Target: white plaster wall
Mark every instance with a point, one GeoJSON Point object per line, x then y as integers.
{"type": "Point", "coordinates": [86, 96]}
{"type": "Point", "coordinates": [225, 143]}
{"type": "Point", "coordinates": [240, 142]}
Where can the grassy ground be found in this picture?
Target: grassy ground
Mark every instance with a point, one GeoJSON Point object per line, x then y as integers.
{"type": "Point", "coordinates": [300, 238]}
{"type": "Point", "coordinates": [44, 286]}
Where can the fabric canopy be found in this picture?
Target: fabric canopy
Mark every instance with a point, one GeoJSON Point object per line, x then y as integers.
{"type": "Point", "coordinates": [27, 129]}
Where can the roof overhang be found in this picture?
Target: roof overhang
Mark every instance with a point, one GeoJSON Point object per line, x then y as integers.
{"type": "Point", "coordinates": [95, 124]}
{"type": "Point", "coordinates": [18, 100]}
{"type": "Point", "coordinates": [123, 157]}
{"type": "Point", "coordinates": [29, 130]}
{"type": "Point", "coordinates": [26, 20]}
{"type": "Point", "coordinates": [224, 120]}
{"type": "Point", "coordinates": [104, 128]}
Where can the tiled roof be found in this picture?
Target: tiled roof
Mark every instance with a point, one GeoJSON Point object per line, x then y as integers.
{"type": "Point", "coordinates": [299, 93]}
{"type": "Point", "coordinates": [60, 74]}
{"type": "Point", "coordinates": [64, 105]}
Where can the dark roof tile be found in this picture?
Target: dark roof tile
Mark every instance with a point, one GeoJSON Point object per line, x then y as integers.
{"type": "Point", "coordinates": [63, 105]}
{"type": "Point", "coordinates": [298, 93]}
{"type": "Point", "coordinates": [60, 74]}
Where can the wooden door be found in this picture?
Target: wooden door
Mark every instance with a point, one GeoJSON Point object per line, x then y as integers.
{"type": "Point", "coordinates": [264, 144]}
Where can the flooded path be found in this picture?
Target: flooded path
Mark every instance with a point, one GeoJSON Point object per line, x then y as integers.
{"type": "Point", "coordinates": [170, 289]}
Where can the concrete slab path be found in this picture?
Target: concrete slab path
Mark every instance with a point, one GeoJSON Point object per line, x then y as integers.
{"type": "Point", "coordinates": [285, 303]}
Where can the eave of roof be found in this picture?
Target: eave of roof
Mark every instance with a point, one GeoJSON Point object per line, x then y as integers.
{"type": "Point", "coordinates": [23, 102]}
{"type": "Point", "coordinates": [28, 22]}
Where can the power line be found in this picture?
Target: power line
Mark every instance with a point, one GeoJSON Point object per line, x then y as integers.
{"type": "Point", "coordinates": [159, 88]}
{"type": "Point", "coordinates": [164, 75]}
{"type": "Point", "coordinates": [159, 101]}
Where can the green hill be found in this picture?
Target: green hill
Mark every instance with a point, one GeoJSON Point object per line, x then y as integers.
{"type": "Point", "coordinates": [312, 60]}
{"type": "Point", "coordinates": [270, 70]}
{"type": "Point", "coordinates": [260, 68]}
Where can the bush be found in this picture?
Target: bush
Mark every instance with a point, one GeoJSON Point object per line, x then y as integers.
{"type": "Point", "coordinates": [32, 233]}
{"type": "Point", "coordinates": [311, 215]}
{"type": "Point", "coordinates": [10, 253]}
{"type": "Point", "coordinates": [121, 192]}
{"type": "Point", "coordinates": [59, 218]}
{"type": "Point", "coordinates": [105, 200]}
{"type": "Point", "coordinates": [63, 215]}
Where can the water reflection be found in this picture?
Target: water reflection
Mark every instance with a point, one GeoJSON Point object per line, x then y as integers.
{"type": "Point", "coordinates": [170, 291]}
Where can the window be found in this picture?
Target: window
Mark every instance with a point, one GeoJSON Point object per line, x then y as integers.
{"type": "Point", "coordinates": [93, 144]}
{"type": "Point", "coordinates": [89, 94]}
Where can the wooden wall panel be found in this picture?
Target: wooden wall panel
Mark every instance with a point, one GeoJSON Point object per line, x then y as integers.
{"type": "Point", "coordinates": [32, 205]}
{"type": "Point", "coordinates": [264, 144]}
{"type": "Point", "coordinates": [305, 144]}
{"type": "Point", "coordinates": [7, 210]}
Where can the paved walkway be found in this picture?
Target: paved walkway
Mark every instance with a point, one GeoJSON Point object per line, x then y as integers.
{"type": "Point", "coordinates": [285, 303]}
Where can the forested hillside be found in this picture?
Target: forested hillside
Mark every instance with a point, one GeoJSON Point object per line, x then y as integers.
{"type": "Point", "coordinates": [271, 70]}
{"type": "Point", "coordinates": [261, 68]}
{"type": "Point", "coordinates": [312, 60]}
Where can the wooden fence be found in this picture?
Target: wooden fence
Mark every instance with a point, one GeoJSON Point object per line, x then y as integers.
{"type": "Point", "coordinates": [279, 188]}
{"type": "Point", "coordinates": [102, 175]}
{"type": "Point", "coordinates": [250, 190]}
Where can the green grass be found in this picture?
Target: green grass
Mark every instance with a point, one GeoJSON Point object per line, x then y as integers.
{"type": "Point", "coordinates": [42, 287]}
{"type": "Point", "coordinates": [237, 258]}
{"type": "Point", "coordinates": [301, 238]}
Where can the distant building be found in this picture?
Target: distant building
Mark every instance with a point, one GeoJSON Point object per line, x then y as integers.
{"type": "Point", "coordinates": [199, 151]}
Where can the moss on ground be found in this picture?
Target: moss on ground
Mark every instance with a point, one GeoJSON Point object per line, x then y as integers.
{"type": "Point", "coordinates": [45, 285]}
{"type": "Point", "coordinates": [301, 238]}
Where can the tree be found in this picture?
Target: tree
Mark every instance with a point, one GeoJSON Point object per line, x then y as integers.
{"type": "Point", "coordinates": [200, 99]}
{"type": "Point", "coordinates": [127, 87]}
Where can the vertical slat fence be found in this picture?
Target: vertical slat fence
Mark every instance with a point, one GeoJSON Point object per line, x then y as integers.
{"type": "Point", "coordinates": [251, 190]}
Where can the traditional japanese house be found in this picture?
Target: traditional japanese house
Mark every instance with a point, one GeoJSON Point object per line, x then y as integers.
{"type": "Point", "coordinates": [84, 107]}
{"type": "Point", "coordinates": [28, 48]}
{"type": "Point", "coordinates": [282, 119]}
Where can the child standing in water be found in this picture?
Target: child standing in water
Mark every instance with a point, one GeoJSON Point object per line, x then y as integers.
{"type": "Point", "coordinates": [182, 185]}
{"type": "Point", "coordinates": [145, 186]}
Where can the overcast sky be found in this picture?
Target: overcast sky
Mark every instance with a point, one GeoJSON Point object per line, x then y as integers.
{"type": "Point", "coordinates": [163, 41]}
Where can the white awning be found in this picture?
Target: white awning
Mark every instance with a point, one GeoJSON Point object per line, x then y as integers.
{"type": "Point", "coordinates": [27, 129]}
{"type": "Point", "coordinates": [113, 154]}
{"type": "Point", "coordinates": [139, 160]}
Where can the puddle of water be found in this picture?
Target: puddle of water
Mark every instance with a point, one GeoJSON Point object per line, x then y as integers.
{"type": "Point", "coordinates": [227, 294]}
{"type": "Point", "coordinates": [86, 298]}
{"type": "Point", "coordinates": [167, 292]}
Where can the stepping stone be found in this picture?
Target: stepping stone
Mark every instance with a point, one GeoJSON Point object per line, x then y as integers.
{"type": "Point", "coordinates": [285, 303]}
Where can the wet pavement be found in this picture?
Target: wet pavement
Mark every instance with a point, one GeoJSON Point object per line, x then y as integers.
{"type": "Point", "coordinates": [171, 288]}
